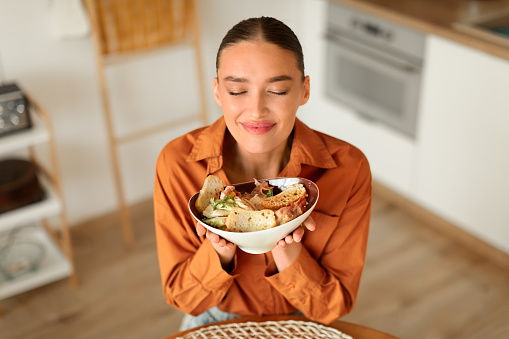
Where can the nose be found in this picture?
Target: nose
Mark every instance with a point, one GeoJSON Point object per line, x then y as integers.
{"type": "Point", "coordinates": [259, 105]}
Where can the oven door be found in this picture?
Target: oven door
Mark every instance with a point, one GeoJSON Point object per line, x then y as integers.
{"type": "Point", "coordinates": [378, 85]}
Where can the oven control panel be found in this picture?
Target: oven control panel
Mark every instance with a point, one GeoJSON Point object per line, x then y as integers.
{"type": "Point", "coordinates": [375, 31]}
{"type": "Point", "coordinates": [14, 114]}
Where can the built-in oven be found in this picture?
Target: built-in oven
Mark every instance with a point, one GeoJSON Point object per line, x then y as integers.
{"type": "Point", "coordinates": [374, 66]}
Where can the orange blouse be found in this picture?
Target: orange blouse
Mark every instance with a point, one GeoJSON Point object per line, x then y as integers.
{"type": "Point", "coordinates": [322, 283]}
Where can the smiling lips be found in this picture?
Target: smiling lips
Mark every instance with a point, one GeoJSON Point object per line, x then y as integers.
{"type": "Point", "coordinates": [258, 127]}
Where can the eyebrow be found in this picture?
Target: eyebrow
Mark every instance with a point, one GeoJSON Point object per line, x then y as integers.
{"type": "Point", "coordinates": [270, 80]}
{"type": "Point", "coordinates": [235, 79]}
{"type": "Point", "coordinates": [280, 78]}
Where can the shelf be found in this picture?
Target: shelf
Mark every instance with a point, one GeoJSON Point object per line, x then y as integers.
{"type": "Point", "coordinates": [37, 134]}
{"type": "Point", "coordinates": [55, 265]}
{"type": "Point", "coordinates": [48, 207]}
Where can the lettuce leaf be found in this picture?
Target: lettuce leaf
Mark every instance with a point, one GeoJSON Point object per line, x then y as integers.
{"type": "Point", "coordinates": [217, 222]}
{"type": "Point", "coordinates": [226, 203]}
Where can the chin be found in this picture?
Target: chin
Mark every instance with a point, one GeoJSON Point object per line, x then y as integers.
{"type": "Point", "coordinates": [257, 147]}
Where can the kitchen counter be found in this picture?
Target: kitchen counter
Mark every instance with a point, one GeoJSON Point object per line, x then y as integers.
{"type": "Point", "coordinates": [439, 17]}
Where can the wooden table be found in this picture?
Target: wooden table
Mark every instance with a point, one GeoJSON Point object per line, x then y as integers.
{"type": "Point", "coordinates": [356, 331]}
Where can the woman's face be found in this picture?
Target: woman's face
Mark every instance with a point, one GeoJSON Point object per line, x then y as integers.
{"type": "Point", "coordinates": [259, 88]}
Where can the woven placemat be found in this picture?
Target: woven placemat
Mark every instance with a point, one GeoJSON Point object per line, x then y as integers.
{"type": "Point", "coordinates": [287, 329]}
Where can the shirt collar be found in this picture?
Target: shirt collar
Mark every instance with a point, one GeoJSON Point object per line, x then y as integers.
{"type": "Point", "coordinates": [307, 148]}
{"type": "Point", "coordinates": [209, 145]}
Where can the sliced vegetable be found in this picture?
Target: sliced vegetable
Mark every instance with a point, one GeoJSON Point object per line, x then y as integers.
{"type": "Point", "coordinates": [225, 203]}
{"type": "Point", "coordinates": [217, 222]}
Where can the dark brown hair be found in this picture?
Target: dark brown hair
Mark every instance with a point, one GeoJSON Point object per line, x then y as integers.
{"type": "Point", "coordinates": [266, 29]}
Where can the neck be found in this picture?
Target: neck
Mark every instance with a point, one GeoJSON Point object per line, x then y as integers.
{"type": "Point", "coordinates": [242, 166]}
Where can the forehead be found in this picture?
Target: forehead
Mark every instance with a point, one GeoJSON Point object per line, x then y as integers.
{"type": "Point", "coordinates": [256, 56]}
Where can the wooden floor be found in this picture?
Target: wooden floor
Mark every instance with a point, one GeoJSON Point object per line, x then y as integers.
{"type": "Point", "coordinates": [416, 284]}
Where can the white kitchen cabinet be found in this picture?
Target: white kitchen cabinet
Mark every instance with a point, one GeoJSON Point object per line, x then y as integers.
{"type": "Point", "coordinates": [462, 156]}
{"type": "Point", "coordinates": [31, 222]}
{"type": "Point", "coordinates": [390, 153]}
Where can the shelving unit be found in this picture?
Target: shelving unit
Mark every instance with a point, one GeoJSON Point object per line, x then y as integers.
{"type": "Point", "coordinates": [58, 260]}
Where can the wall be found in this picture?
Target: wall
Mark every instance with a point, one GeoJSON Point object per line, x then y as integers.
{"type": "Point", "coordinates": [61, 75]}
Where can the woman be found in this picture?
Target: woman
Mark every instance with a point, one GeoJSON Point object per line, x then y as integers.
{"type": "Point", "coordinates": [260, 85]}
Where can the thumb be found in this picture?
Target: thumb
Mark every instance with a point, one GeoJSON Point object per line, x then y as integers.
{"type": "Point", "coordinates": [309, 223]}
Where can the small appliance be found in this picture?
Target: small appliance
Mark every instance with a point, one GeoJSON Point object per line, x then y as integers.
{"type": "Point", "coordinates": [14, 115]}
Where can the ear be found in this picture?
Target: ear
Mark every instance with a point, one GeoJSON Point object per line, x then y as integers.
{"type": "Point", "coordinates": [217, 96]}
{"type": "Point", "coordinates": [306, 91]}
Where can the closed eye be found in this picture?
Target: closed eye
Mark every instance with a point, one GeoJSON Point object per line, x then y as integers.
{"type": "Point", "coordinates": [278, 93]}
{"type": "Point", "coordinates": [237, 93]}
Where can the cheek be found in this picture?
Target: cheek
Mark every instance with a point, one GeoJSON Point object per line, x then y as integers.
{"type": "Point", "coordinates": [231, 113]}
{"type": "Point", "coordinates": [231, 109]}
{"type": "Point", "coordinates": [288, 109]}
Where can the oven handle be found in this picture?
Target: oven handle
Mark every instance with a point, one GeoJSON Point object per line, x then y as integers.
{"type": "Point", "coordinates": [373, 54]}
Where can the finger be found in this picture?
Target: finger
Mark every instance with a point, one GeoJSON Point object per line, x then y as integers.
{"type": "Point", "coordinates": [221, 242]}
{"type": "Point", "coordinates": [212, 237]}
{"type": "Point", "coordinates": [200, 229]}
{"type": "Point", "coordinates": [229, 244]}
{"type": "Point", "coordinates": [298, 234]}
{"type": "Point", "coordinates": [281, 243]}
{"type": "Point", "coordinates": [289, 239]}
{"type": "Point", "coordinates": [309, 223]}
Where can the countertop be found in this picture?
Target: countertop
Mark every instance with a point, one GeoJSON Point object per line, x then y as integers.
{"type": "Point", "coordinates": [438, 17]}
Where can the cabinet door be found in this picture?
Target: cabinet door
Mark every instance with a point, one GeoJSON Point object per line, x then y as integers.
{"type": "Point", "coordinates": [389, 152]}
{"type": "Point", "coordinates": [463, 149]}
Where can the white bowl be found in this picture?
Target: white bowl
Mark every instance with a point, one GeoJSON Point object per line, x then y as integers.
{"type": "Point", "coordinates": [19, 258]}
{"type": "Point", "coordinates": [263, 241]}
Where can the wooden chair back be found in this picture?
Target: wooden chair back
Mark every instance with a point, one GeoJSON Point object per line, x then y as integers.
{"type": "Point", "coordinates": [138, 25]}
{"type": "Point", "coordinates": [123, 29]}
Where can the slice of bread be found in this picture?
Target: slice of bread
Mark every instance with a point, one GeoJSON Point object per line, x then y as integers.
{"type": "Point", "coordinates": [289, 196]}
{"type": "Point", "coordinates": [212, 188]}
{"type": "Point", "coordinates": [241, 220]}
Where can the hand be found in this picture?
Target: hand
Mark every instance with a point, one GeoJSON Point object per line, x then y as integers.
{"type": "Point", "coordinates": [297, 235]}
{"type": "Point", "coordinates": [288, 249]}
{"type": "Point", "coordinates": [225, 249]}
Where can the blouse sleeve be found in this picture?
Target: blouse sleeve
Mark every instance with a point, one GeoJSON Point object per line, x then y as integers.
{"type": "Point", "coordinates": [192, 277]}
{"type": "Point", "coordinates": [324, 285]}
